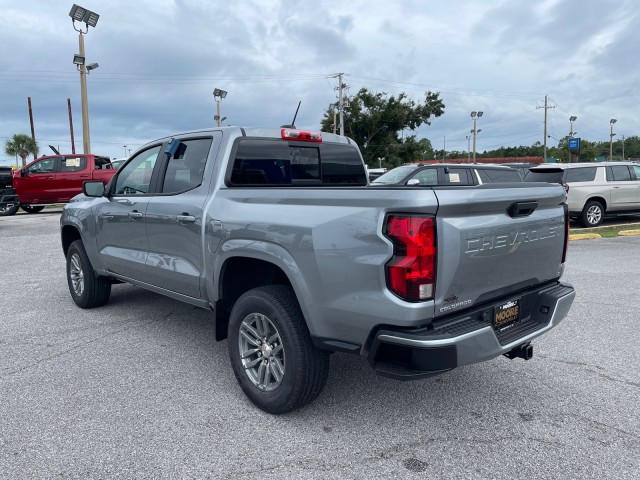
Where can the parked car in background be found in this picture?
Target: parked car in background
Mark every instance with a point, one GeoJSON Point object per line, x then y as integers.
{"type": "Point", "coordinates": [116, 163]}
{"type": "Point", "coordinates": [55, 179]}
{"type": "Point", "coordinates": [523, 168]}
{"type": "Point", "coordinates": [448, 174]}
{"type": "Point", "coordinates": [594, 189]}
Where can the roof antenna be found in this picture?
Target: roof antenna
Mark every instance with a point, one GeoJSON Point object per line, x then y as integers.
{"type": "Point", "coordinates": [293, 122]}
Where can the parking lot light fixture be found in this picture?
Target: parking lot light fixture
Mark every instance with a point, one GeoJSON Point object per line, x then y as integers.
{"type": "Point", "coordinates": [90, 19]}
{"type": "Point", "coordinates": [475, 116]}
{"type": "Point", "coordinates": [611, 135]}
{"type": "Point", "coordinates": [218, 95]}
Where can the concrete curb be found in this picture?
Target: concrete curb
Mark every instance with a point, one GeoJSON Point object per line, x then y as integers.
{"type": "Point", "coordinates": [628, 233]}
{"type": "Point", "coordinates": [584, 236]}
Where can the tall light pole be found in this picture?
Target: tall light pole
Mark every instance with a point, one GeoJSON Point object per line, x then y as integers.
{"type": "Point", "coordinates": [475, 116]}
{"type": "Point", "coordinates": [90, 19]}
{"type": "Point", "coordinates": [611, 135]}
{"type": "Point", "coordinates": [572, 119]}
{"type": "Point", "coordinates": [468, 137]}
{"type": "Point", "coordinates": [218, 95]}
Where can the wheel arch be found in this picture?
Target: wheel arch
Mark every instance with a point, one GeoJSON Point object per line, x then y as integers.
{"type": "Point", "coordinates": [246, 270]}
{"type": "Point", "coordinates": [597, 198]}
{"type": "Point", "coordinates": [69, 234]}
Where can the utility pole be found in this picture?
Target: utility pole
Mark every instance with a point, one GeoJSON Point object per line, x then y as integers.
{"type": "Point", "coordinates": [341, 88]}
{"type": "Point", "coordinates": [444, 147]}
{"type": "Point", "coordinates": [546, 107]}
{"type": "Point", "coordinates": [33, 131]}
{"type": "Point", "coordinates": [341, 105]}
{"type": "Point", "coordinates": [73, 144]}
{"type": "Point", "coordinates": [622, 147]}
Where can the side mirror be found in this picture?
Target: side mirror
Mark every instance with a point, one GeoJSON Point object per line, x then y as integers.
{"type": "Point", "coordinates": [413, 181]}
{"type": "Point", "coordinates": [93, 189]}
{"type": "Point", "coordinates": [23, 172]}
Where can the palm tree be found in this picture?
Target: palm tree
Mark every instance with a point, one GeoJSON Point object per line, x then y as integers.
{"type": "Point", "coordinates": [21, 145]}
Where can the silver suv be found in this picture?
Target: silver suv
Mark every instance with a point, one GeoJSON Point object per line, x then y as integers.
{"type": "Point", "coordinates": [594, 189]}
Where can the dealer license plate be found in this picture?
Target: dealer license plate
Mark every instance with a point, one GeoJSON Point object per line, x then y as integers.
{"type": "Point", "coordinates": [506, 314]}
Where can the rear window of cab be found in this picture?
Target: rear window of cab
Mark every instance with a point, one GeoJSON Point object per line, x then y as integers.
{"type": "Point", "coordinates": [274, 162]}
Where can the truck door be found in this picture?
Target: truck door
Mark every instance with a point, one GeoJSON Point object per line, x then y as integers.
{"type": "Point", "coordinates": [121, 229]}
{"type": "Point", "coordinates": [36, 183]}
{"type": "Point", "coordinates": [175, 219]}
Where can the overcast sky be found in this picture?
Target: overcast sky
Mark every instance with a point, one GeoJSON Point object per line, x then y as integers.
{"type": "Point", "coordinates": [160, 61]}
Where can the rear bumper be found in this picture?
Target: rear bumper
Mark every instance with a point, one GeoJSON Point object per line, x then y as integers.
{"type": "Point", "coordinates": [469, 338]}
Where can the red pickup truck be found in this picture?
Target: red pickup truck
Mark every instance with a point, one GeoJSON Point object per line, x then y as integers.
{"type": "Point", "coordinates": [57, 178]}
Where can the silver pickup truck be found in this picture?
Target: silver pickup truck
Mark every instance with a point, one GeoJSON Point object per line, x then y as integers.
{"type": "Point", "coordinates": [279, 234]}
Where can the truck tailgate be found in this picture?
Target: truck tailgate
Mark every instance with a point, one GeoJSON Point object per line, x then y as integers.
{"type": "Point", "coordinates": [495, 240]}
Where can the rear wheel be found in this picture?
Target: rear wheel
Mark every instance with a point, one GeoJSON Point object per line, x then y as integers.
{"type": "Point", "coordinates": [271, 351]}
{"type": "Point", "coordinates": [30, 209]}
{"type": "Point", "coordinates": [87, 289]}
{"type": "Point", "coordinates": [7, 211]}
{"type": "Point", "coordinates": [592, 214]}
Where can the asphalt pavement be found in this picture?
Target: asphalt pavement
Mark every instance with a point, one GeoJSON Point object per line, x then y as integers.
{"type": "Point", "coordinates": [140, 389]}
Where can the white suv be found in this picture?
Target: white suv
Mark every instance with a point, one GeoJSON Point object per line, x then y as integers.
{"type": "Point", "coordinates": [594, 189]}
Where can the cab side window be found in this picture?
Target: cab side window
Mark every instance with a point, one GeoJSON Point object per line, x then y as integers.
{"type": "Point", "coordinates": [73, 164]}
{"type": "Point", "coordinates": [185, 169]}
{"type": "Point", "coordinates": [456, 176]}
{"type": "Point", "coordinates": [135, 177]}
{"type": "Point", "coordinates": [428, 176]}
{"type": "Point", "coordinates": [48, 165]}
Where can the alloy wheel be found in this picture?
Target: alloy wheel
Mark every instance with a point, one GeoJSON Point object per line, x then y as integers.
{"type": "Point", "coordinates": [76, 274]}
{"type": "Point", "coordinates": [261, 352]}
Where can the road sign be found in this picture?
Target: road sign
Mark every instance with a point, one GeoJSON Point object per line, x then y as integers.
{"type": "Point", "coordinates": [574, 143]}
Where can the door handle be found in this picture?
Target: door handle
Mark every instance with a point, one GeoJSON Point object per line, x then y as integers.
{"type": "Point", "coordinates": [135, 214]}
{"type": "Point", "coordinates": [185, 218]}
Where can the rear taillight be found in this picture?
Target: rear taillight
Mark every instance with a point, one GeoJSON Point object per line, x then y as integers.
{"type": "Point", "coordinates": [411, 273]}
{"type": "Point", "coordinates": [566, 232]}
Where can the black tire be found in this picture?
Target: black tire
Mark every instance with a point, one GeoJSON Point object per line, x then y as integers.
{"type": "Point", "coordinates": [30, 209]}
{"type": "Point", "coordinates": [7, 211]}
{"type": "Point", "coordinates": [305, 368]}
{"type": "Point", "coordinates": [592, 214]}
{"type": "Point", "coordinates": [87, 289]}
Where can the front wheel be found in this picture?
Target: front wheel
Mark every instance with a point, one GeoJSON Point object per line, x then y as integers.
{"type": "Point", "coordinates": [271, 351]}
{"type": "Point", "coordinates": [592, 214]}
{"type": "Point", "coordinates": [87, 289]}
{"type": "Point", "coordinates": [7, 211]}
{"type": "Point", "coordinates": [30, 209]}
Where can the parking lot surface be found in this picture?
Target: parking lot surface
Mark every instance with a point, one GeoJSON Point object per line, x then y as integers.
{"type": "Point", "coordinates": [140, 389]}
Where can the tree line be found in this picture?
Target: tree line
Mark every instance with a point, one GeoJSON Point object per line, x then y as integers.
{"type": "Point", "coordinates": [382, 126]}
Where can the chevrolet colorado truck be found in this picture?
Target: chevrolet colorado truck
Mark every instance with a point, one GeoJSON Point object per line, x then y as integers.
{"type": "Point", "coordinates": [279, 233]}
{"type": "Point", "coordinates": [55, 179]}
